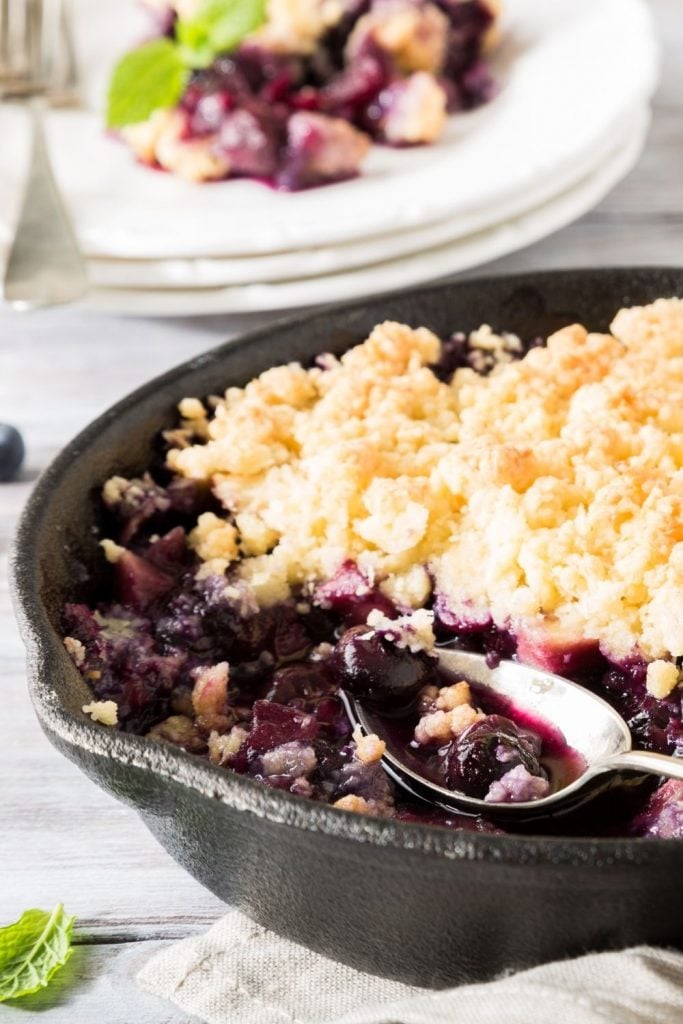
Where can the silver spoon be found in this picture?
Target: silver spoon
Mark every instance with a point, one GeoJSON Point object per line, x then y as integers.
{"type": "Point", "coordinates": [589, 725]}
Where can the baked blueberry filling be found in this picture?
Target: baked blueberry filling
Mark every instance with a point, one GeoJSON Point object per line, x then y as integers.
{"type": "Point", "coordinates": [180, 646]}
{"type": "Point", "coordinates": [162, 657]}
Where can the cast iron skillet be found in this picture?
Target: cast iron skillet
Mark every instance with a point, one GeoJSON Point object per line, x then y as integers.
{"type": "Point", "coordinates": [413, 902]}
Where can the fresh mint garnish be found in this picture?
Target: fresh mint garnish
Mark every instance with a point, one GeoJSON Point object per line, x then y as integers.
{"type": "Point", "coordinates": [32, 949]}
{"type": "Point", "coordinates": [154, 76]}
{"type": "Point", "coordinates": [144, 80]}
{"type": "Point", "coordinates": [217, 27]}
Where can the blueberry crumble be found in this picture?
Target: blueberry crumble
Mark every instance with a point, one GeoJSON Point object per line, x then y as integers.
{"type": "Point", "coordinates": [330, 527]}
{"type": "Point", "coordinates": [293, 92]}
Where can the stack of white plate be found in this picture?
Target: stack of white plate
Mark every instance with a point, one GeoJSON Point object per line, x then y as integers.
{"type": "Point", "coordinates": [576, 78]}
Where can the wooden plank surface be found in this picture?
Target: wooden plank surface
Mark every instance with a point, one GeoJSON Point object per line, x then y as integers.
{"type": "Point", "coordinates": [62, 839]}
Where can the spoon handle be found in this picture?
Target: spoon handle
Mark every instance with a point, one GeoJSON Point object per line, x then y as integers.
{"type": "Point", "coordinates": [645, 761]}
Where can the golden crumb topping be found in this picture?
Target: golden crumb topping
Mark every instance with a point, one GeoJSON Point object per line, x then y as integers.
{"type": "Point", "coordinates": [106, 712]}
{"type": "Point", "coordinates": [662, 678]}
{"type": "Point", "coordinates": [370, 748]}
{"type": "Point", "coordinates": [548, 495]}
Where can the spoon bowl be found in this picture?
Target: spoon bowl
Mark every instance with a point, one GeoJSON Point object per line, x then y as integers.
{"type": "Point", "coordinates": [595, 733]}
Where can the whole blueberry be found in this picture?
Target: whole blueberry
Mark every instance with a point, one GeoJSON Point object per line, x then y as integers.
{"type": "Point", "coordinates": [12, 451]}
{"type": "Point", "coordinates": [377, 671]}
{"type": "Point", "coordinates": [487, 750]}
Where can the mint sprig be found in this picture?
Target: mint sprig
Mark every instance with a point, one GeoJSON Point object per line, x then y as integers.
{"type": "Point", "coordinates": [217, 27]}
{"type": "Point", "coordinates": [32, 950]}
{"type": "Point", "coordinates": [154, 76]}
{"type": "Point", "coordinates": [144, 80]}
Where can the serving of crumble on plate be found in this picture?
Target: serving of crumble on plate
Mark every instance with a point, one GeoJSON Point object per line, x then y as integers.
{"type": "Point", "coordinates": [299, 99]}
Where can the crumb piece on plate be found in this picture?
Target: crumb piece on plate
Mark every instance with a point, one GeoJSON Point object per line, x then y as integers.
{"type": "Point", "coordinates": [415, 110]}
{"type": "Point", "coordinates": [415, 35]}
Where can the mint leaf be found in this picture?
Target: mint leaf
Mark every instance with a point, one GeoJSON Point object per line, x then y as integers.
{"type": "Point", "coordinates": [144, 80]}
{"type": "Point", "coordinates": [32, 949]}
{"type": "Point", "coordinates": [217, 27]}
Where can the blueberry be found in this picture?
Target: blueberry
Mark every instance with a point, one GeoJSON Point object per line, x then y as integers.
{"type": "Point", "coordinates": [139, 582]}
{"type": "Point", "coordinates": [349, 593]}
{"type": "Point", "coordinates": [12, 451]}
{"type": "Point", "coordinates": [487, 750]}
{"type": "Point", "coordinates": [377, 671]}
{"type": "Point", "coordinates": [275, 724]}
{"type": "Point", "coordinates": [301, 680]}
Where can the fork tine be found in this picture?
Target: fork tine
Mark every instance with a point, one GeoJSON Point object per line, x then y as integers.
{"type": "Point", "coordinates": [71, 61]}
{"type": "Point", "coordinates": [17, 42]}
{"type": "Point", "coordinates": [37, 53]}
{"type": "Point", "coordinates": [33, 33]}
{"type": "Point", "coordinates": [4, 35]}
{"type": "Point", "coordinates": [62, 76]}
{"type": "Point", "coordinates": [5, 44]}
{"type": "Point", "coordinates": [50, 37]}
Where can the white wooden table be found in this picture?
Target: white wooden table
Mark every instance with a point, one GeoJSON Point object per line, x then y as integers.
{"type": "Point", "coordinates": [61, 838]}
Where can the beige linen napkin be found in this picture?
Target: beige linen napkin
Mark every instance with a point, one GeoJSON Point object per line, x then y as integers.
{"type": "Point", "coordinates": [240, 973]}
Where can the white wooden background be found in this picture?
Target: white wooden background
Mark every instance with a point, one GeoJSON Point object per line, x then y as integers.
{"type": "Point", "coordinates": [61, 839]}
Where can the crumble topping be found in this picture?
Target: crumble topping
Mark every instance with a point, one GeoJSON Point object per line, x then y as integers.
{"type": "Point", "coordinates": [358, 804]}
{"type": "Point", "coordinates": [415, 36]}
{"type": "Point", "coordinates": [103, 711]}
{"type": "Point", "coordinates": [291, 26]}
{"type": "Point", "coordinates": [662, 678]}
{"type": "Point", "coordinates": [412, 631]}
{"type": "Point", "coordinates": [369, 748]}
{"type": "Point", "coordinates": [547, 495]}
{"type": "Point", "coordinates": [295, 26]}
{"type": "Point", "coordinates": [112, 550]}
{"type": "Point", "coordinates": [289, 759]}
{"type": "Point", "coordinates": [76, 649]}
{"type": "Point", "coordinates": [193, 159]}
{"type": "Point", "coordinates": [181, 731]}
{"type": "Point", "coordinates": [453, 696]}
{"type": "Point", "coordinates": [417, 110]}
{"type": "Point", "coordinates": [191, 409]}
{"type": "Point", "coordinates": [210, 698]}
{"type": "Point", "coordinates": [517, 785]}
{"type": "Point", "coordinates": [223, 748]}
{"type": "Point", "coordinates": [442, 726]}
{"type": "Point", "coordinates": [215, 541]}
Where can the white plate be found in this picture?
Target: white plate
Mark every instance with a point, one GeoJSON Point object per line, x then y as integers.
{"type": "Point", "coordinates": [569, 69]}
{"type": "Point", "coordinates": [456, 256]}
{"type": "Point", "coordinates": [306, 263]}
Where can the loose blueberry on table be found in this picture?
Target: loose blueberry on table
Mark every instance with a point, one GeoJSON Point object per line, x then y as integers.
{"type": "Point", "coordinates": [12, 452]}
{"type": "Point", "coordinates": [330, 527]}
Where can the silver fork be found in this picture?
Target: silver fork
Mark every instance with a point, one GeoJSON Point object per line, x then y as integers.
{"type": "Point", "coordinates": [37, 65]}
